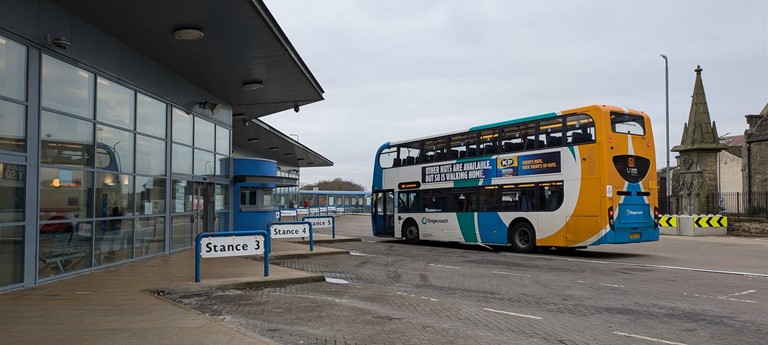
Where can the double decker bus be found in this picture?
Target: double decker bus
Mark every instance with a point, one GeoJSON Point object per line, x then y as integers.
{"type": "Point", "coordinates": [571, 179]}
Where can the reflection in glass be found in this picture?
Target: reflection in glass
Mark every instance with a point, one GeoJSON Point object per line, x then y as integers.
{"type": "Point", "coordinates": [13, 126]}
{"type": "Point", "coordinates": [182, 127]}
{"type": "Point", "coordinates": [65, 140]}
{"type": "Point", "coordinates": [204, 162]}
{"type": "Point", "coordinates": [67, 88]}
{"type": "Point", "coordinates": [181, 232]}
{"type": "Point", "coordinates": [11, 254]}
{"type": "Point", "coordinates": [64, 247]}
{"type": "Point", "coordinates": [114, 241]}
{"type": "Point", "coordinates": [181, 196]}
{"type": "Point", "coordinates": [222, 140]}
{"type": "Point", "coordinates": [65, 194]}
{"type": "Point", "coordinates": [150, 236]}
{"type": "Point", "coordinates": [151, 153]}
{"type": "Point", "coordinates": [222, 166]}
{"type": "Point", "coordinates": [114, 149]}
{"type": "Point", "coordinates": [13, 69]}
{"type": "Point", "coordinates": [12, 193]}
{"type": "Point", "coordinates": [114, 103]}
{"type": "Point", "coordinates": [150, 116]}
{"type": "Point", "coordinates": [150, 195]}
{"type": "Point", "coordinates": [114, 195]}
{"type": "Point", "coordinates": [205, 134]}
{"type": "Point", "coordinates": [221, 197]}
{"type": "Point", "coordinates": [182, 159]}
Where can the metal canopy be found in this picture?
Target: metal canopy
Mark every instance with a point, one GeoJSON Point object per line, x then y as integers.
{"type": "Point", "coordinates": [262, 140]}
{"type": "Point", "coordinates": [242, 43]}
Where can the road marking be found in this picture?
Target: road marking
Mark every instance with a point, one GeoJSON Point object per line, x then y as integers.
{"type": "Point", "coordinates": [422, 297]}
{"type": "Point", "coordinates": [513, 314]}
{"type": "Point", "coordinates": [443, 266]}
{"type": "Point", "coordinates": [336, 280]}
{"type": "Point", "coordinates": [725, 298]}
{"type": "Point", "coordinates": [612, 285]}
{"type": "Point", "coordinates": [649, 338]}
{"type": "Point", "coordinates": [746, 274]}
{"type": "Point", "coordinates": [512, 274]}
{"type": "Point", "coordinates": [741, 293]}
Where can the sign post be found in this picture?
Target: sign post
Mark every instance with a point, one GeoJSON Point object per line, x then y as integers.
{"type": "Point", "coordinates": [231, 243]}
{"type": "Point", "coordinates": [290, 230]}
{"type": "Point", "coordinates": [322, 222]}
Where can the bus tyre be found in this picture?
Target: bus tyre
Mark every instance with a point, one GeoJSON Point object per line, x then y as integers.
{"type": "Point", "coordinates": [411, 232]}
{"type": "Point", "coordinates": [523, 238]}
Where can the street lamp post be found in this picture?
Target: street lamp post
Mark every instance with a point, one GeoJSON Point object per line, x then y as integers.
{"type": "Point", "coordinates": [666, 88]}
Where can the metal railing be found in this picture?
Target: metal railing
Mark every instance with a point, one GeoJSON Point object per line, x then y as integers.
{"type": "Point", "coordinates": [753, 204]}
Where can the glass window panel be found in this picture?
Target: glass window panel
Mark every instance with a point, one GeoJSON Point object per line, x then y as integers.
{"type": "Point", "coordinates": [550, 133]}
{"type": "Point", "coordinates": [11, 254]}
{"type": "Point", "coordinates": [222, 140]}
{"type": "Point", "coordinates": [150, 236]}
{"type": "Point", "coordinates": [182, 127]}
{"type": "Point", "coordinates": [65, 194]}
{"type": "Point", "coordinates": [221, 197]}
{"type": "Point", "coordinates": [64, 247]}
{"type": "Point", "coordinates": [579, 129]}
{"type": "Point", "coordinates": [150, 116]}
{"type": "Point", "coordinates": [114, 195]}
{"type": "Point", "coordinates": [12, 193]}
{"type": "Point", "coordinates": [181, 196]}
{"type": "Point", "coordinates": [13, 69]}
{"type": "Point", "coordinates": [205, 134]}
{"type": "Point", "coordinates": [182, 159]}
{"type": "Point", "coordinates": [152, 156]}
{"type": "Point", "coordinates": [66, 140]}
{"type": "Point", "coordinates": [204, 162]}
{"type": "Point", "coordinates": [114, 241]}
{"type": "Point", "coordinates": [114, 149]}
{"type": "Point", "coordinates": [67, 88]}
{"type": "Point", "coordinates": [13, 126]}
{"type": "Point", "coordinates": [181, 232]}
{"type": "Point", "coordinates": [115, 104]}
{"type": "Point", "coordinates": [222, 166]}
{"type": "Point", "coordinates": [150, 195]}
{"type": "Point", "coordinates": [488, 199]}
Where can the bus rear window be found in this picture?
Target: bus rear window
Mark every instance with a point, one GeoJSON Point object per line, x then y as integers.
{"type": "Point", "coordinates": [629, 124]}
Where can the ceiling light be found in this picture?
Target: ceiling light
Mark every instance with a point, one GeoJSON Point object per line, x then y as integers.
{"type": "Point", "coordinates": [273, 148]}
{"type": "Point", "coordinates": [299, 159]}
{"type": "Point", "coordinates": [188, 34]}
{"type": "Point", "coordinates": [310, 163]}
{"type": "Point", "coordinates": [253, 140]}
{"type": "Point", "coordinates": [288, 154]}
{"type": "Point", "coordinates": [253, 86]}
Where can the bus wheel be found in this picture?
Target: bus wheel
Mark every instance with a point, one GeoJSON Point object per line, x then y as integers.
{"type": "Point", "coordinates": [411, 232]}
{"type": "Point", "coordinates": [523, 238]}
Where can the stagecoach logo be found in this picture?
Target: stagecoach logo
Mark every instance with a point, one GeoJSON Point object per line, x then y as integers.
{"type": "Point", "coordinates": [634, 213]}
{"type": "Point", "coordinates": [426, 221]}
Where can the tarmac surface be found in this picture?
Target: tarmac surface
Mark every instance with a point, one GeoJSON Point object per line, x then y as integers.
{"type": "Point", "coordinates": [124, 304]}
{"type": "Point", "coordinates": [121, 305]}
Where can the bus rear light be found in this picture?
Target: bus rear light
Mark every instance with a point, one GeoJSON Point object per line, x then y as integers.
{"type": "Point", "coordinates": [610, 218]}
{"type": "Point", "coordinates": [610, 140]}
{"type": "Point", "coordinates": [648, 144]}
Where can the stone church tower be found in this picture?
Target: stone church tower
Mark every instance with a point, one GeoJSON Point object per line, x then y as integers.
{"type": "Point", "coordinates": [697, 159]}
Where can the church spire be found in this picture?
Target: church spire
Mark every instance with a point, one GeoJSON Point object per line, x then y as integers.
{"type": "Point", "coordinates": [700, 132]}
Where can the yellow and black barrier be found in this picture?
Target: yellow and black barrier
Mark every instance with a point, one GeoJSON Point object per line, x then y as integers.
{"type": "Point", "coordinates": [668, 221]}
{"type": "Point", "coordinates": [710, 222]}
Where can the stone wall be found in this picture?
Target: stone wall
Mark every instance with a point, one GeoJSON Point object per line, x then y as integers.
{"type": "Point", "coordinates": [759, 167]}
{"type": "Point", "coordinates": [748, 227]}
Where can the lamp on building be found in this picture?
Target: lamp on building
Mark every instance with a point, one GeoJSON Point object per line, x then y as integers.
{"type": "Point", "coordinates": [214, 108]}
{"type": "Point", "coordinates": [59, 42]}
{"type": "Point", "coordinates": [188, 34]}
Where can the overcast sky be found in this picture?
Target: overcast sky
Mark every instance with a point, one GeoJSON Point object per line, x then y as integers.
{"type": "Point", "coordinates": [398, 69]}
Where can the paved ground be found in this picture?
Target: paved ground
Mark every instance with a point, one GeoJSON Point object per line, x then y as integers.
{"type": "Point", "coordinates": [389, 292]}
{"type": "Point", "coordinates": [676, 291]}
{"type": "Point", "coordinates": [120, 305]}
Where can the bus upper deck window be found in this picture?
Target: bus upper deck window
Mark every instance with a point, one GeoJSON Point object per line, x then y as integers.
{"type": "Point", "coordinates": [628, 124]}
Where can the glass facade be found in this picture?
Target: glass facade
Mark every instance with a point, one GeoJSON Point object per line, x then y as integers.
{"type": "Point", "coordinates": [106, 173]}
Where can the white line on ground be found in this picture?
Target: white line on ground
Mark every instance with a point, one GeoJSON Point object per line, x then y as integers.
{"type": "Point", "coordinates": [513, 314]}
{"type": "Point", "coordinates": [649, 338]}
{"type": "Point", "coordinates": [512, 274]}
{"type": "Point", "coordinates": [443, 266]}
{"type": "Point", "coordinates": [747, 274]}
{"type": "Point", "coordinates": [742, 293]}
{"type": "Point", "coordinates": [726, 298]}
{"type": "Point", "coordinates": [612, 285]}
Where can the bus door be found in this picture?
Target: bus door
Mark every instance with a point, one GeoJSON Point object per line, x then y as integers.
{"type": "Point", "coordinates": [383, 213]}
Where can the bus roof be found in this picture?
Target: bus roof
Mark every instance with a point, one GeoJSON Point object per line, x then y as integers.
{"type": "Point", "coordinates": [520, 120]}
